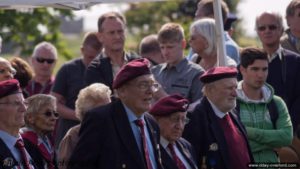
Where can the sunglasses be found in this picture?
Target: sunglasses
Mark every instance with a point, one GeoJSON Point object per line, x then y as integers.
{"type": "Point", "coordinates": [50, 113]}
{"type": "Point", "coordinates": [270, 27]}
{"type": "Point", "coordinates": [42, 60]}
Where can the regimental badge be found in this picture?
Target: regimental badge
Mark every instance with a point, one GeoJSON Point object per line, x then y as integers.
{"type": "Point", "coordinates": [8, 162]}
{"type": "Point", "coordinates": [213, 147]}
{"type": "Point", "coordinates": [185, 106]}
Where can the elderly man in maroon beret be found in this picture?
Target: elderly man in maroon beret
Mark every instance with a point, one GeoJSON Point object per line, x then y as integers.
{"type": "Point", "coordinates": [12, 109]}
{"type": "Point", "coordinates": [170, 113]}
{"type": "Point", "coordinates": [217, 135]}
{"type": "Point", "coordinates": [121, 134]}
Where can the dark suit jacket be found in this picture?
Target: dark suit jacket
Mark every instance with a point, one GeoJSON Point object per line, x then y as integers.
{"type": "Point", "coordinates": [100, 70]}
{"type": "Point", "coordinates": [106, 140]}
{"type": "Point", "coordinates": [7, 160]}
{"type": "Point", "coordinates": [284, 76]}
{"type": "Point", "coordinates": [205, 134]}
{"type": "Point", "coordinates": [36, 155]}
{"type": "Point", "coordinates": [185, 149]}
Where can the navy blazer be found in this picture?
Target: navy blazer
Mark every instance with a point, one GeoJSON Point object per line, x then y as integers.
{"type": "Point", "coordinates": [205, 134]}
{"type": "Point", "coordinates": [284, 76]}
{"type": "Point", "coordinates": [7, 160]}
{"type": "Point", "coordinates": [185, 149]}
{"type": "Point", "coordinates": [106, 140]}
{"type": "Point", "coordinates": [100, 70]}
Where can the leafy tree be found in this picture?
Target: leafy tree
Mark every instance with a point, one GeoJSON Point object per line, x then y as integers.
{"type": "Point", "coordinates": [147, 18]}
{"type": "Point", "coordinates": [24, 29]}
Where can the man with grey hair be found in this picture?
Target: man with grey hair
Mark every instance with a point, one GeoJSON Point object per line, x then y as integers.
{"type": "Point", "coordinates": [43, 61]}
{"type": "Point", "coordinates": [291, 39]}
{"type": "Point", "coordinates": [284, 66]}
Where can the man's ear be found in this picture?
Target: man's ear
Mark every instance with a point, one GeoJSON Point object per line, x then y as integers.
{"type": "Point", "coordinates": [242, 69]}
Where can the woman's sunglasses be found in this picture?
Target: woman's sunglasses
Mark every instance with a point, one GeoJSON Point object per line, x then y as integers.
{"type": "Point", "coordinates": [50, 113]}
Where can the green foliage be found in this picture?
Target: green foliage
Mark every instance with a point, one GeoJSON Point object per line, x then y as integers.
{"type": "Point", "coordinates": [25, 29]}
{"type": "Point", "coordinates": [147, 18]}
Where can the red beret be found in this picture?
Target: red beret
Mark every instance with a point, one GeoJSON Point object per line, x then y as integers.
{"type": "Point", "coordinates": [130, 71]}
{"type": "Point", "coordinates": [218, 73]}
{"type": "Point", "coordinates": [168, 105]}
{"type": "Point", "coordinates": [9, 87]}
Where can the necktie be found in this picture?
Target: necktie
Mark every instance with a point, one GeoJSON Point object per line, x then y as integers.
{"type": "Point", "coordinates": [179, 163]}
{"type": "Point", "coordinates": [140, 124]}
{"type": "Point", "coordinates": [238, 151]}
{"type": "Point", "coordinates": [20, 146]}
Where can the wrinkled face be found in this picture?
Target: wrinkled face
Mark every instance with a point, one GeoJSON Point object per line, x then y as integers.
{"type": "Point", "coordinates": [12, 110]}
{"type": "Point", "coordinates": [268, 30]}
{"type": "Point", "coordinates": [255, 75]}
{"type": "Point", "coordinates": [172, 51]}
{"type": "Point", "coordinates": [89, 54]}
{"type": "Point", "coordinates": [198, 42]}
{"type": "Point", "coordinates": [112, 35]}
{"type": "Point", "coordinates": [43, 63]}
{"type": "Point", "coordinates": [172, 126]}
{"type": "Point", "coordinates": [44, 120]}
{"type": "Point", "coordinates": [223, 93]}
{"type": "Point", "coordinates": [6, 71]}
{"type": "Point", "coordinates": [137, 94]}
{"type": "Point", "coordinates": [294, 21]}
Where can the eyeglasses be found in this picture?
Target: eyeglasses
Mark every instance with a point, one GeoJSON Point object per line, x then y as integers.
{"type": "Point", "coordinates": [42, 60]}
{"type": "Point", "coordinates": [9, 70]}
{"type": "Point", "coordinates": [16, 103]}
{"type": "Point", "coordinates": [146, 86]}
{"type": "Point", "coordinates": [177, 120]}
{"type": "Point", "coordinates": [50, 113]}
{"type": "Point", "coordinates": [270, 27]}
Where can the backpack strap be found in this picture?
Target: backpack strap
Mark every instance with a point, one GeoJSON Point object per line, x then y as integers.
{"type": "Point", "coordinates": [273, 111]}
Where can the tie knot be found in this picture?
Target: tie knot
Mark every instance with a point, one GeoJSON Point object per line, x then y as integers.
{"type": "Point", "coordinates": [170, 146]}
{"type": "Point", "coordinates": [19, 143]}
{"type": "Point", "coordinates": [139, 122]}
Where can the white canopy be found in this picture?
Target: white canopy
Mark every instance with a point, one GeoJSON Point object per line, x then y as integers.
{"type": "Point", "coordinates": [66, 4]}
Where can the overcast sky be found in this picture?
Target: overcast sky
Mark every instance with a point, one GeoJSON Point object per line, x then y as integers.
{"type": "Point", "coordinates": [247, 11]}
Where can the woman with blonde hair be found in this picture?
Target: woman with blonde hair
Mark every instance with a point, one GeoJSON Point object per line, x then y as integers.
{"type": "Point", "coordinates": [95, 95]}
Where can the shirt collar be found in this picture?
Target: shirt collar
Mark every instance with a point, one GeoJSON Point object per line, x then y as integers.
{"type": "Point", "coordinates": [131, 116]}
{"type": "Point", "coordinates": [8, 139]}
{"type": "Point", "coordinates": [276, 53]}
{"type": "Point", "coordinates": [164, 143]}
{"type": "Point", "coordinates": [216, 110]}
{"type": "Point", "coordinates": [179, 67]}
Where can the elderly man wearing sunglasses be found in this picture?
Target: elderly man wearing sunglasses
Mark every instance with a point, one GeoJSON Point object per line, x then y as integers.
{"type": "Point", "coordinates": [40, 119]}
{"type": "Point", "coordinates": [284, 65]}
{"type": "Point", "coordinates": [43, 61]}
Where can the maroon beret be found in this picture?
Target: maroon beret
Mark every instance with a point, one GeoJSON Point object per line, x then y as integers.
{"type": "Point", "coordinates": [130, 71]}
{"type": "Point", "coordinates": [9, 87]}
{"type": "Point", "coordinates": [168, 105]}
{"type": "Point", "coordinates": [218, 73]}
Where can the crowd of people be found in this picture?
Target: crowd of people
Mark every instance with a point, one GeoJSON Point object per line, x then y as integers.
{"type": "Point", "coordinates": [158, 109]}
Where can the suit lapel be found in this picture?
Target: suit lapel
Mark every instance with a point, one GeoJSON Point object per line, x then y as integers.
{"type": "Point", "coordinates": [216, 131]}
{"type": "Point", "coordinates": [185, 152]}
{"type": "Point", "coordinates": [153, 136]}
{"type": "Point", "coordinates": [124, 130]}
{"type": "Point", "coordinates": [7, 160]}
{"type": "Point", "coordinates": [168, 162]}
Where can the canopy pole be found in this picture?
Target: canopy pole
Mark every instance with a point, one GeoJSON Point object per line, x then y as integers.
{"type": "Point", "coordinates": [221, 50]}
